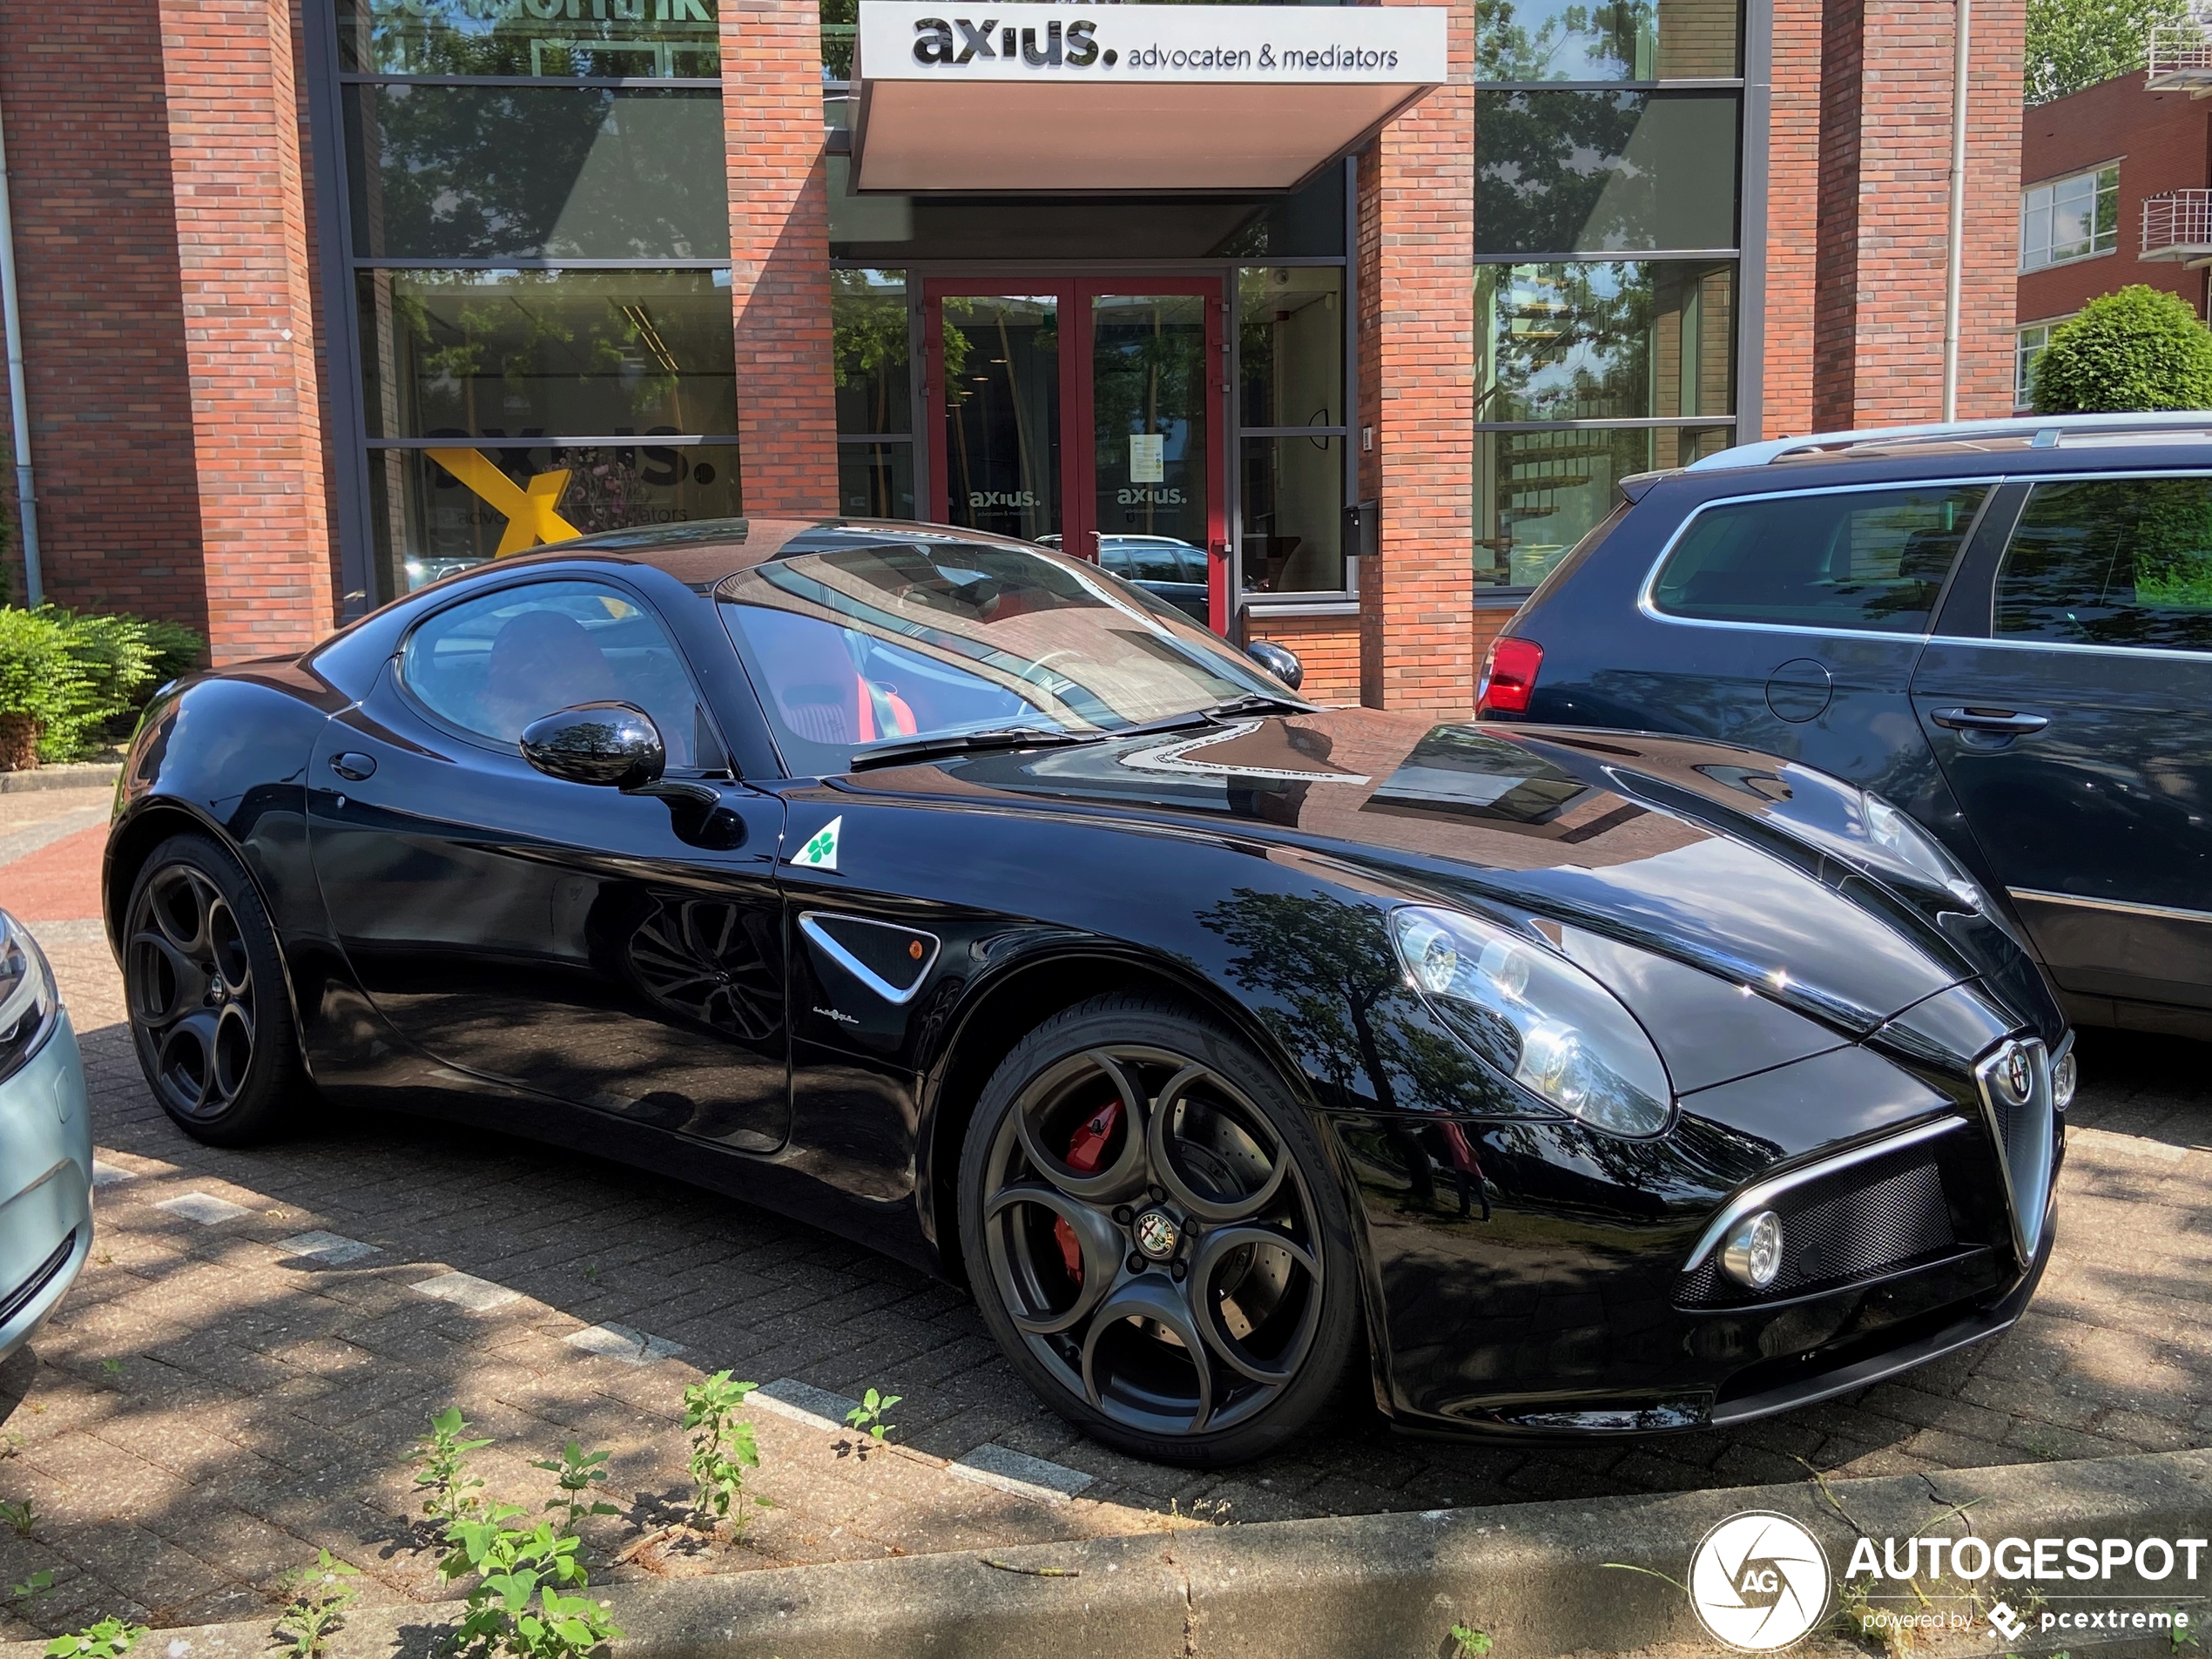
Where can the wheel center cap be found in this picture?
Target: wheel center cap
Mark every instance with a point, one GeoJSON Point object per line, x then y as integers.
{"type": "Point", "coordinates": [1157, 1234]}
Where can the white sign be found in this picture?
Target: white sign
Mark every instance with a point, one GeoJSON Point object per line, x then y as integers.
{"type": "Point", "coordinates": [925, 40]}
{"type": "Point", "coordinates": [1146, 458]}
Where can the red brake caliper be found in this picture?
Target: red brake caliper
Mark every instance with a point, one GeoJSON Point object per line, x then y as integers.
{"type": "Point", "coordinates": [1084, 1155]}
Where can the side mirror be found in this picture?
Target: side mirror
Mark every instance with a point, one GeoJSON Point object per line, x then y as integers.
{"type": "Point", "coordinates": [608, 743]}
{"type": "Point", "coordinates": [1278, 660]}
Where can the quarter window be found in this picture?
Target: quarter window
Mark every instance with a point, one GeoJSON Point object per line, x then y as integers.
{"type": "Point", "coordinates": [2070, 218]}
{"type": "Point", "coordinates": [2112, 562]}
{"type": "Point", "coordinates": [1873, 560]}
{"type": "Point", "coordinates": [492, 665]}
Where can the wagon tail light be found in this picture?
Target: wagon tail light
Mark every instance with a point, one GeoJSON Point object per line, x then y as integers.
{"type": "Point", "coordinates": [1508, 676]}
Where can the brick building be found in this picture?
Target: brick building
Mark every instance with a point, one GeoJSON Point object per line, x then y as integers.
{"type": "Point", "coordinates": [1353, 315]}
{"type": "Point", "coordinates": [2113, 192]}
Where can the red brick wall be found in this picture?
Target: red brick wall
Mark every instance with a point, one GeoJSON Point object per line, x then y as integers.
{"type": "Point", "coordinates": [772, 102]}
{"type": "Point", "coordinates": [1418, 345]}
{"type": "Point", "coordinates": [1327, 647]}
{"type": "Point", "coordinates": [1884, 204]}
{"type": "Point", "coordinates": [108, 380]}
{"type": "Point", "coordinates": [1793, 244]}
{"type": "Point", "coordinates": [2160, 140]}
{"type": "Point", "coordinates": [249, 329]}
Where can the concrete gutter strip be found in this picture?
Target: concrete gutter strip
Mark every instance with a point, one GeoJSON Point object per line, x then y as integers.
{"type": "Point", "coordinates": [90, 774]}
{"type": "Point", "coordinates": [1534, 1575]}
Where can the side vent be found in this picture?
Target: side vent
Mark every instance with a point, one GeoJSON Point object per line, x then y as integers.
{"type": "Point", "coordinates": [890, 960]}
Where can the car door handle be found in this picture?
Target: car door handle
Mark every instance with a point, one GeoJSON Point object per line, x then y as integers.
{"type": "Point", "coordinates": [2007, 721]}
{"type": "Point", "coordinates": [354, 767]}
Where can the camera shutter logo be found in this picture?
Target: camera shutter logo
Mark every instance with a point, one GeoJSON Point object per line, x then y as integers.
{"type": "Point", "coordinates": [1758, 1582]}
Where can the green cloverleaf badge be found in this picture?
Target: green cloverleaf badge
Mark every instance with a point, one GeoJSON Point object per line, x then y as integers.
{"type": "Point", "coordinates": [821, 853]}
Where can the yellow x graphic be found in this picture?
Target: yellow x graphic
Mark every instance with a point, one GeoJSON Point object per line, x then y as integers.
{"type": "Point", "coordinates": [532, 514]}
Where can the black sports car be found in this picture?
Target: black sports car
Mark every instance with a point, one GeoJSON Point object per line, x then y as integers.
{"type": "Point", "coordinates": [960, 897]}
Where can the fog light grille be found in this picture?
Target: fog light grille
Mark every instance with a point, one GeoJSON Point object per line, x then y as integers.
{"type": "Point", "coordinates": [1857, 1225]}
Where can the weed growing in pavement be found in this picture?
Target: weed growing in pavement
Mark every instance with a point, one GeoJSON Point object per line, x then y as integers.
{"type": "Point", "coordinates": [317, 1609]}
{"type": "Point", "coordinates": [10, 1443]}
{"type": "Point", "coordinates": [113, 1369]}
{"type": "Point", "coordinates": [109, 1639]}
{"type": "Point", "coordinates": [722, 1448]}
{"type": "Point", "coordinates": [2179, 1634]}
{"type": "Point", "coordinates": [868, 1414]}
{"type": "Point", "coordinates": [592, 1271]}
{"type": "Point", "coordinates": [21, 1516]}
{"type": "Point", "coordinates": [34, 1587]}
{"type": "Point", "coordinates": [450, 1493]}
{"type": "Point", "coordinates": [579, 1474]}
{"type": "Point", "coordinates": [1469, 1643]}
{"type": "Point", "coordinates": [523, 1604]}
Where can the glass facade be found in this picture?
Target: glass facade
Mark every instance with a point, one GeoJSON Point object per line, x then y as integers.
{"type": "Point", "coordinates": [538, 232]}
{"type": "Point", "coordinates": [1602, 133]}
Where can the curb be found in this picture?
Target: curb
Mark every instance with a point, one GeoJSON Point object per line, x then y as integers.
{"type": "Point", "coordinates": [1534, 1576]}
{"type": "Point", "coordinates": [76, 774]}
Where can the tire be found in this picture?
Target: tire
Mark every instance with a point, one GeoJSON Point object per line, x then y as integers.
{"type": "Point", "coordinates": [1209, 1213]}
{"type": "Point", "coordinates": [203, 981]}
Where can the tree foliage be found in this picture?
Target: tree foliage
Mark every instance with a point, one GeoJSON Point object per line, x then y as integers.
{"type": "Point", "coordinates": [2076, 43]}
{"type": "Point", "coordinates": [2140, 348]}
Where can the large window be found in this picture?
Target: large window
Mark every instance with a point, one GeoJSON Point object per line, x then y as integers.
{"type": "Point", "coordinates": [538, 228]}
{"type": "Point", "coordinates": [1607, 201]}
{"type": "Point", "coordinates": [872, 355]}
{"type": "Point", "coordinates": [2075, 218]}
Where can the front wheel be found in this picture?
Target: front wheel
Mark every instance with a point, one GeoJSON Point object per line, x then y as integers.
{"type": "Point", "coordinates": [1155, 1236]}
{"type": "Point", "coordinates": [205, 984]}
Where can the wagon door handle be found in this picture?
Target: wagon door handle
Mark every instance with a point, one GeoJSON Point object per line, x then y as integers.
{"type": "Point", "coordinates": [354, 767]}
{"type": "Point", "coordinates": [2004, 721]}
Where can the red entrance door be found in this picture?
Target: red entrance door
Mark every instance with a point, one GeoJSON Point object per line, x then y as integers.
{"type": "Point", "coordinates": [1086, 414]}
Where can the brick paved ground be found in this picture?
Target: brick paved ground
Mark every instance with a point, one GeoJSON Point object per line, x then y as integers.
{"type": "Point", "coordinates": [207, 1409]}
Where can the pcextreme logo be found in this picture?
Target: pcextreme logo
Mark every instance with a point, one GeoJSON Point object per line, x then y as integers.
{"type": "Point", "coordinates": [1758, 1582]}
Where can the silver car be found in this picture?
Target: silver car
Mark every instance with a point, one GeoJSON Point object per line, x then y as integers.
{"type": "Point", "coordinates": [45, 1142]}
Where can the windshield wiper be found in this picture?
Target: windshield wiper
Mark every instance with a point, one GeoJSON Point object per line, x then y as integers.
{"type": "Point", "coordinates": [953, 743]}
{"type": "Point", "coordinates": [1260, 703]}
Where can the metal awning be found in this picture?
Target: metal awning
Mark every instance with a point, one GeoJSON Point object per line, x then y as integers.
{"type": "Point", "coordinates": [1061, 99]}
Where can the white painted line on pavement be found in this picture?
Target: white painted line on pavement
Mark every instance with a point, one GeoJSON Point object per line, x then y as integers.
{"type": "Point", "coordinates": [205, 1208]}
{"type": "Point", "coordinates": [107, 1175]}
{"type": "Point", "coordinates": [329, 1250]}
{"type": "Point", "coordinates": [620, 1342]}
{"type": "Point", "coordinates": [1019, 1472]}
{"type": "Point", "coordinates": [804, 1403]}
{"type": "Point", "coordinates": [467, 1290]}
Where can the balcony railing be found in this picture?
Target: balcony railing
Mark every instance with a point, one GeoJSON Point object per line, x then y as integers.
{"type": "Point", "coordinates": [2180, 57]}
{"type": "Point", "coordinates": [2177, 226]}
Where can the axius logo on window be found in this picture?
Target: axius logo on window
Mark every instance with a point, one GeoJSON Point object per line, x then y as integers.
{"type": "Point", "coordinates": [935, 43]}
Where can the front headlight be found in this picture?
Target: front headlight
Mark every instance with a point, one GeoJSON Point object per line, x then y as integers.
{"type": "Point", "coordinates": [1910, 845]}
{"type": "Point", "coordinates": [27, 999]}
{"type": "Point", "coordinates": [1536, 1017]}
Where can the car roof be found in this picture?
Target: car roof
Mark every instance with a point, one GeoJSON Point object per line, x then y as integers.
{"type": "Point", "coordinates": [707, 551]}
{"type": "Point", "coordinates": [1984, 449]}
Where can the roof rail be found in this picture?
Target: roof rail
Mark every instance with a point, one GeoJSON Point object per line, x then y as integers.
{"type": "Point", "coordinates": [1773, 450]}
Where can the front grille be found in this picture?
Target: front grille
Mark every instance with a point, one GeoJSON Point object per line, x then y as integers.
{"type": "Point", "coordinates": [1861, 1223]}
{"type": "Point", "coordinates": [27, 1292]}
{"type": "Point", "coordinates": [2024, 1133]}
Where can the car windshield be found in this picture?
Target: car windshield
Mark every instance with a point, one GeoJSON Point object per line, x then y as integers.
{"type": "Point", "coordinates": [892, 642]}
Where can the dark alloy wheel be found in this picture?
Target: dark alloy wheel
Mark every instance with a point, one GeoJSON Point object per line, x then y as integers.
{"type": "Point", "coordinates": [1153, 1236]}
{"type": "Point", "coordinates": [208, 1011]}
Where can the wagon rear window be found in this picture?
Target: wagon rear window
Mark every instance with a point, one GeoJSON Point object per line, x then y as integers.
{"type": "Point", "coordinates": [1874, 560]}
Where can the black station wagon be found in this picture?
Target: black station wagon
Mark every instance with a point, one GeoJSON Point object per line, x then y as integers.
{"type": "Point", "coordinates": [2004, 628]}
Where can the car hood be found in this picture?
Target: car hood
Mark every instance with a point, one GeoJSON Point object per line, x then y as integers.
{"type": "Point", "coordinates": [1751, 868]}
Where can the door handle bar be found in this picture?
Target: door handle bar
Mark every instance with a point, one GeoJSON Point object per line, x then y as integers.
{"type": "Point", "coordinates": [2001, 720]}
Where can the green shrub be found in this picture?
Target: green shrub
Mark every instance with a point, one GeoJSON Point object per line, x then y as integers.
{"type": "Point", "coordinates": [2140, 348]}
{"type": "Point", "coordinates": [41, 679]}
{"type": "Point", "coordinates": [83, 677]}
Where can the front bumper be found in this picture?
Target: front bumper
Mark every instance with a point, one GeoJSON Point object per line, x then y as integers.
{"type": "Point", "coordinates": [1569, 1313]}
{"type": "Point", "coordinates": [45, 1184]}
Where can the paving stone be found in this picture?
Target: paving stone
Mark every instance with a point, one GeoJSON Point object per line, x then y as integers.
{"type": "Point", "coordinates": [467, 1290]}
{"type": "Point", "coordinates": [204, 1208]}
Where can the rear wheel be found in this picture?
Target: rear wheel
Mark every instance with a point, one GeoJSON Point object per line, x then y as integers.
{"type": "Point", "coordinates": [205, 982]}
{"type": "Point", "coordinates": [1155, 1236]}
